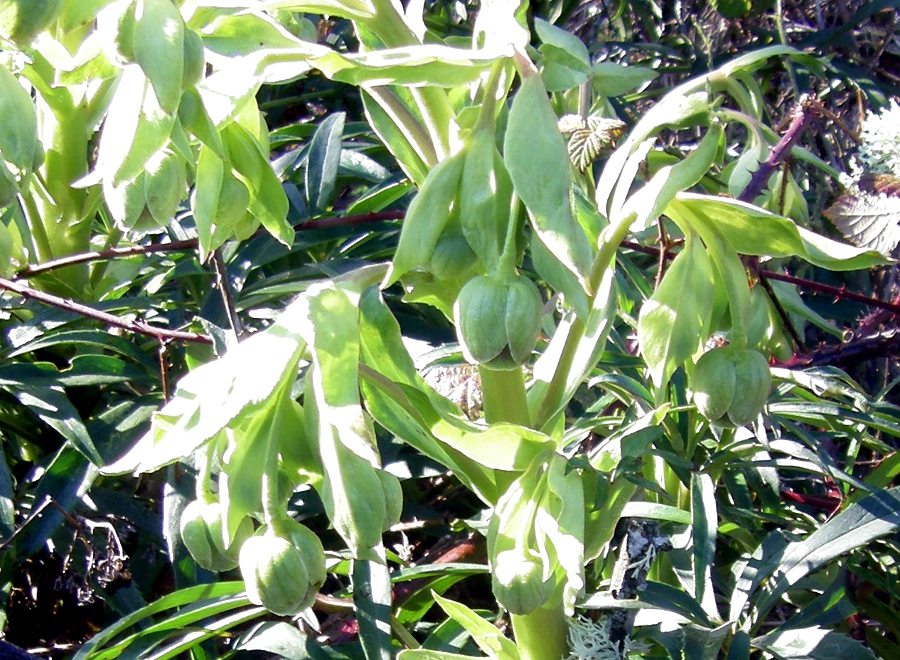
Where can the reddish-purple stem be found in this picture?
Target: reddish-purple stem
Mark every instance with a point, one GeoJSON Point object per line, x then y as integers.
{"type": "Point", "coordinates": [802, 115]}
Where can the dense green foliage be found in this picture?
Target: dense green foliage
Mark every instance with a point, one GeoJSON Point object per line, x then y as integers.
{"type": "Point", "coordinates": [338, 329]}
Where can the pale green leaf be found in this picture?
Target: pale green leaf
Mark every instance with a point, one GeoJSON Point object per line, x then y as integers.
{"type": "Point", "coordinates": [159, 49]}
{"type": "Point", "coordinates": [486, 635]}
{"type": "Point", "coordinates": [649, 202]}
{"type": "Point", "coordinates": [212, 396]}
{"type": "Point", "coordinates": [754, 231]}
{"type": "Point", "coordinates": [675, 320]}
{"type": "Point", "coordinates": [613, 79]}
{"type": "Point", "coordinates": [538, 163]}
{"type": "Point", "coordinates": [18, 129]}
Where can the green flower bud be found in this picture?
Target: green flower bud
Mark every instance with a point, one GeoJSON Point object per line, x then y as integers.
{"type": "Point", "coordinates": [519, 581]}
{"type": "Point", "coordinates": [22, 20]}
{"type": "Point", "coordinates": [194, 58]}
{"type": "Point", "coordinates": [275, 574]}
{"type": "Point", "coordinates": [452, 258]}
{"type": "Point", "coordinates": [497, 321]}
{"type": "Point", "coordinates": [201, 531]}
{"type": "Point", "coordinates": [731, 385]}
{"type": "Point", "coordinates": [307, 542]}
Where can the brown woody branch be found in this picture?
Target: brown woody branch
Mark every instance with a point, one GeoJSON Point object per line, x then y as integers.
{"type": "Point", "coordinates": [192, 243]}
{"type": "Point", "coordinates": [140, 327]}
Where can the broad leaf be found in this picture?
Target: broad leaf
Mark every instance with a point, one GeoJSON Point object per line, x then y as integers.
{"type": "Point", "coordinates": [675, 321]}
{"type": "Point", "coordinates": [751, 230]}
{"type": "Point", "coordinates": [868, 220]}
{"type": "Point", "coordinates": [812, 644]}
{"type": "Point", "coordinates": [159, 49]}
{"type": "Point", "coordinates": [538, 163]}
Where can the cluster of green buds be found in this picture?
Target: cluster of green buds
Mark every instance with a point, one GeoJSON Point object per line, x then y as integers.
{"type": "Point", "coordinates": [283, 567]}
{"type": "Point", "coordinates": [731, 385]}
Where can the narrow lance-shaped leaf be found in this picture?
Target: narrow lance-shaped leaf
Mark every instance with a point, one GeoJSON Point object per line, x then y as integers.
{"type": "Point", "coordinates": [323, 160]}
{"type": "Point", "coordinates": [486, 635]}
{"type": "Point", "coordinates": [212, 396]}
{"type": "Point", "coordinates": [538, 163]}
{"type": "Point", "coordinates": [675, 321]}
{"type": "Point", "coordinates": [812, 643]}
{"type": "Point", "coordinates": [872, 517]}
{"type": "Point", "coordinates": [650, 201]}
{"type": "Point", "coordinates": [677, 107]}
{"type": "Point", "coordinates": [705, 523]}
{"type": "Point", "coordinates": [205, 198]}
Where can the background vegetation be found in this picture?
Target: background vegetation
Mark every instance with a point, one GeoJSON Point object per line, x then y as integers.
{"type": "Point", "coordinates": [777, 539]}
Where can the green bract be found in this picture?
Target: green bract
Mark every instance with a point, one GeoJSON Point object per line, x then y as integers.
{"type": "Point", "coordinates": [520, 580]}
{"type": "Point", "coordinates": [201, 531]}
{"type": "Point", "coordinates": [498, 321]}
{"type": "Point", "coordinates": [731, 385]}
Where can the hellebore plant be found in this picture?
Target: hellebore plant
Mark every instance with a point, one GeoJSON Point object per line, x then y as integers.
{"type": "Point", "coordinates": [297, 405]}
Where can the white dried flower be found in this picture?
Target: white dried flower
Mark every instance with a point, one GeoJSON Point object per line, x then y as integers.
{"type": "Point", "coordinates": [879, 149]}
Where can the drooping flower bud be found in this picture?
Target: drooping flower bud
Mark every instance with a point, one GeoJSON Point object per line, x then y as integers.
{"type": "Point", "coordinates": [201, 531]}
{"type": "Point", "coordinates": [731, 385]}
{"type": "Point", "coordinates": [498, 321]}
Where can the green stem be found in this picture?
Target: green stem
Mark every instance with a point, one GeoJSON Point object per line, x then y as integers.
{"type": "Point", "coordinates": [504, 397]}
{"type": "Point", "coordinates": [542, 634]}
{"type": "Point", "coordinates": [204, 474]}
{"type": "Point", "coordinates": [437, 122]}
{"type": "Point", "coordinates": [273, 506]}
{"type": "Point", "coordinates": [487, 115]}
{"type": "Point", "coordinates": [38, 232]}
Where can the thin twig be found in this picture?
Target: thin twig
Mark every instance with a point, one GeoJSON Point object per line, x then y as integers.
{"type": "Point", "coordinates": [839, 292]}
{"type": "Point", "coordinates": [163, 354]}
{"type": "Point", "coordinates": [112, 253]}
{"type": "Point", "coordinates": [192, 243]}
{"type": "Point", "coordinates": [140, 327]}
{"type": "Point", "coordinates": [224, 287]}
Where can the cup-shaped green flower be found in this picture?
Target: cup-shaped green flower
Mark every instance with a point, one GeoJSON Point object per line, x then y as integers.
{"type": "Point", "coordinates": [201, 531]}
{"type": "Point", "coordinates": [731, 385]}
{"type": "Point", "coordinates": [284, 569]}
{"type": "Point", "coordinates": [498, 320]}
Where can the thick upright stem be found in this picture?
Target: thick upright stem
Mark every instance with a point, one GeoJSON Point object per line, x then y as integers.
{"type": "Point", "coordinates": [503, 395]}
{"type": "Point", "coordinates": [542, 634]}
